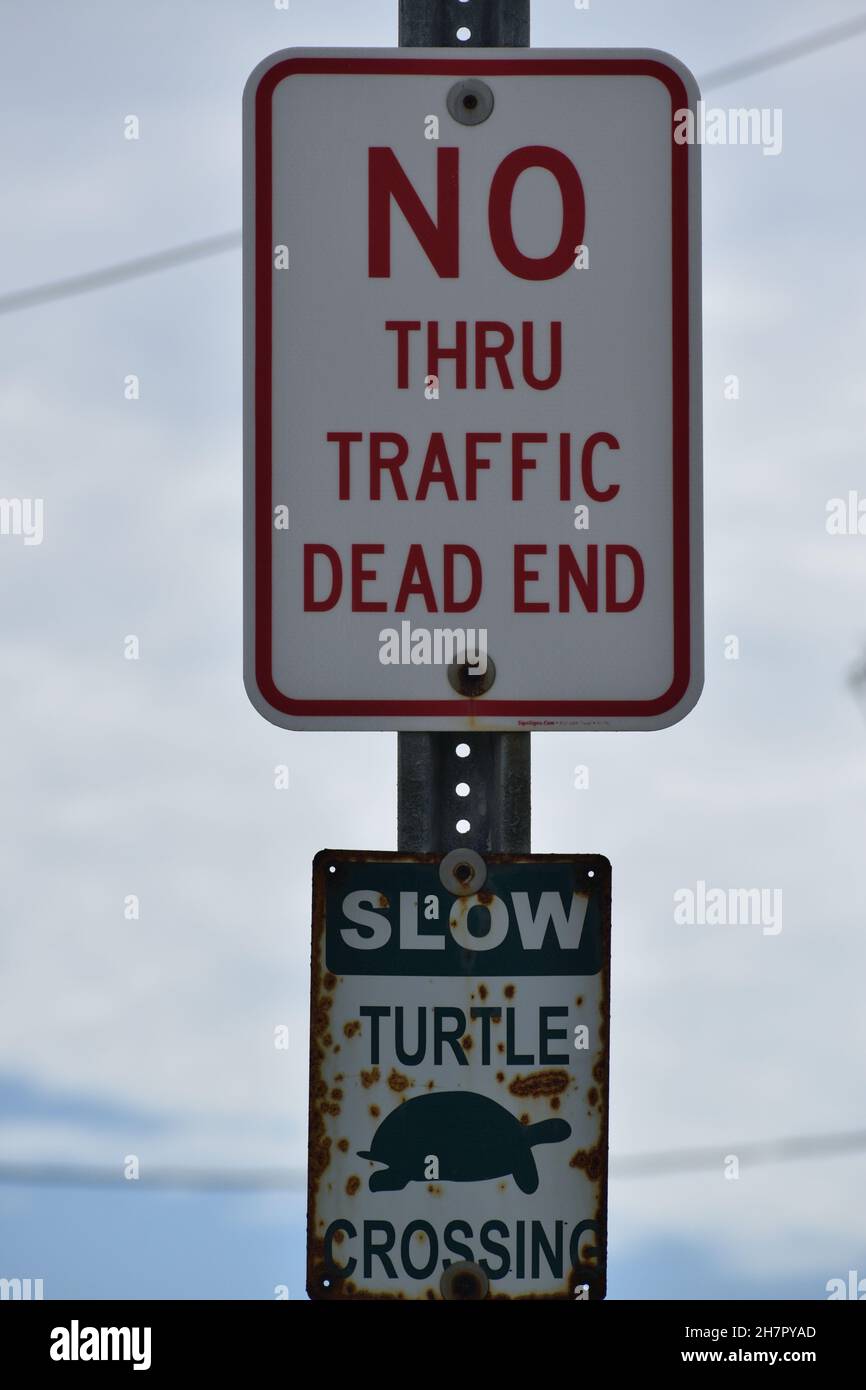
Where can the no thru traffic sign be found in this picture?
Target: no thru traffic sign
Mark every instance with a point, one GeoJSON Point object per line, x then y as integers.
{"type": "Point", "coordinates": [472, 442]}
{"type": "Point", "coordinates": [458, 1076]}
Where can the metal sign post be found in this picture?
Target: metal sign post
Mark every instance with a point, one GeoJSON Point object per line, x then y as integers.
{"type": "Point", "coordinates": [497, 767]}
{"type": "Point", "coordinates": [491, 23]}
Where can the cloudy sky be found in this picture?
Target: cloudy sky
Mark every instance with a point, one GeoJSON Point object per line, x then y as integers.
{"type": "Point", "coordinates": [156, 778]}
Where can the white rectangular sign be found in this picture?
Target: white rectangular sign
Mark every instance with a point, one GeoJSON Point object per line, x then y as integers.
{"type": "Point", "coordinates": [472, 331]}
{"type": "Point", "coordinates": [458, 1077]}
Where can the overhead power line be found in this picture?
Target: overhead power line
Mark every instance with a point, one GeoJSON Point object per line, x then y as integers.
{"type": "Point", "coordinates": [177, 1179]}
{"type": "Point", "coordinates": [646, 1165]}
{"type": "Point", "coordinates": [229, 241]}
{"type": "Point", "coordinates": [116, 274]}
{"type": "Point", "coordinates": [785, 53]}
{"type": "Point", "coordinates": [651, 1165]}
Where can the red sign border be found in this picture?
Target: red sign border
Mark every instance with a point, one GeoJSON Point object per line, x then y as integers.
{"type": "Point", "coordinates": [681, 368]}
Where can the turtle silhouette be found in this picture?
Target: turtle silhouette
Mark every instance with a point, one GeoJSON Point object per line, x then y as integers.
{"type": "Point", "coordinates": [471, 1136]}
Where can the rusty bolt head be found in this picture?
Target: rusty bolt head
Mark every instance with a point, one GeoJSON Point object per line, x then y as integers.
{"type": "Point", "coordinates": [470, 102]}
{"type": "Point", "coordinates": [466, 680]}
{"type": "Point", "coordinates": [464, 1281]}
{"type": "Point", "coordinates": [462, 872]}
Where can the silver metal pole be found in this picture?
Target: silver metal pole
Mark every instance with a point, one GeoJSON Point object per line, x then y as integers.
{"type": "Point", "coordinates": [497, 769]}
{"type": "Point", "coordinates": [493, 23]}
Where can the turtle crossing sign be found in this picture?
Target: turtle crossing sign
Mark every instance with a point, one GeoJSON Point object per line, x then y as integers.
{"type": "Point", "coordinates": [458, 1076]}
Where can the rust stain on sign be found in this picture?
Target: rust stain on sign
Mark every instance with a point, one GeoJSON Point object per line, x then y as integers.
{"type": "Point", "coordinates": [590, 1160]}
{"type": "Point", "coordinates": [540, 1083]}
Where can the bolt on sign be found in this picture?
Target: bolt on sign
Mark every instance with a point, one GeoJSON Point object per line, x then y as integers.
{"type": "Point", "coordinates": [458, 1076]}
{"type": "Point", "coordinates": [472, 289]}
